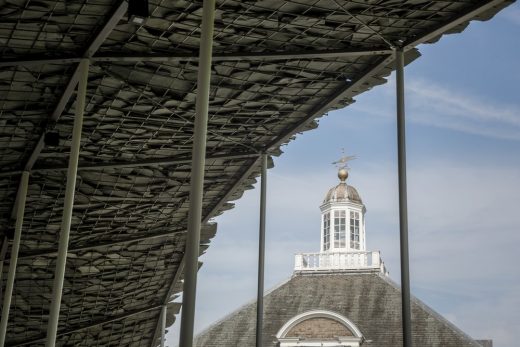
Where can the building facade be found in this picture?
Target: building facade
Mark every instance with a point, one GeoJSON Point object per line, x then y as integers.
{"type": "Point", "coordinates": [339, 296]}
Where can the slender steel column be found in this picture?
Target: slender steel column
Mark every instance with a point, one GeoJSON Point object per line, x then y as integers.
{"type": "Point", "coordinates": [59, 273]}
{"type": "Point", "coordinates": [261, 255]}
{"type": "Point", "coordinates": [197, 176]}
{"type": "Point", "coordinates": [20, 209]}
{"type": "Point", "coordinates": [403, 205]}
{"type": "Point", "coordinates": [163, 324]}
{"type": "Point", "coordinates": [3, 251]}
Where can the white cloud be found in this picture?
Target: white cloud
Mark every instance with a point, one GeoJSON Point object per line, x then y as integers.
{"type": "Point", "coordinates": [445, 107]}
{"type": "Point", "coordinates": [440, 106]}
{"type": "Point", "coordinates": [463, 240]}
{"type": "Point", "coordinates": [455, 103]}
{"type": "Point", "coordinates": [500, 318]}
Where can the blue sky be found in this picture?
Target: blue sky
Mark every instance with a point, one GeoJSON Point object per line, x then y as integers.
{"type": "Point", "coordinates": [463, 142]}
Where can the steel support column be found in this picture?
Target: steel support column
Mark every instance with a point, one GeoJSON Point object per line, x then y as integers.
{"type": "Point", "coordinates": [197, 175]}
{"type": "Point", "coordinates": [20, 209]}
{"type": "Point", "coordinates": [3, 252]}
{"type": "Point", "coordinates": [403, 206]}
{"type": "Point", "coordinates": [163, 324]}
{"type": "Point", "coordinates": [261, 255]}
{"type": "Point", "coordinates": [59, 273]}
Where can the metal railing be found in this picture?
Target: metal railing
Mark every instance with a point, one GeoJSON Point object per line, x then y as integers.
{"type": "Point", "coordinates": [330, 261]}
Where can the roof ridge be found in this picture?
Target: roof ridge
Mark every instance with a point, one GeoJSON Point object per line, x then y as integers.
{"type": "Point", "coordinates": [242, 307]}
{"type": "Point", "coordinates": [432, 312]}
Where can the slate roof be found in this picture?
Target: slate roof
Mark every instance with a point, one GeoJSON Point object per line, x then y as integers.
{"type": "Point", "coordinates": [278, 66]}
{"type": "Point", "coordinates": [372, 302]}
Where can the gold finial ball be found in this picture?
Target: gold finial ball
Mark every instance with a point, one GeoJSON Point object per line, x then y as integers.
{"type": "Point", "coordinates": [343, 174]}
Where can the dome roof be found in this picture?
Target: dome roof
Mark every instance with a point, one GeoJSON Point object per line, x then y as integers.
{"type": "Point", "coordinates": [342, 192]}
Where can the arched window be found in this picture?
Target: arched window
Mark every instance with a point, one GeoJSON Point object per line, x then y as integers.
{"type": "Point", "coordinates": [319, 328]}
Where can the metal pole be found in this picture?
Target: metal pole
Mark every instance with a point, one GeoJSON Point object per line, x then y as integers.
{"type": "Point", "coordinates": [20, 209]}
{"type": "Point", "coordinates": [197, 176]}
{"type": "Point", "coordinates": [261, 255]}
{"type": "Point", "coordinates": [3, 251]}
{"type": "Point", "coordinates": [59, 273]}
{"type": "Point", "coordinates": [163, 324]}
{"type": "Point", "coordinates": [403, 206]}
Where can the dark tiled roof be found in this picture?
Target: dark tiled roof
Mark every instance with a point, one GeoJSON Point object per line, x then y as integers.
{"type": "Point", "coordinates": [370, 301]}
{"type": "Point", "coordinates": [277, 67]}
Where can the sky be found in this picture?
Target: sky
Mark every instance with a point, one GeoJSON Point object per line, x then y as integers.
{"type": "Point", "coordinates": [463, 146]}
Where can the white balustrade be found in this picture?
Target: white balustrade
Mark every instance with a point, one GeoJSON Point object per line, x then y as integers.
{"type": "Point", "coordinates": [331, 261]}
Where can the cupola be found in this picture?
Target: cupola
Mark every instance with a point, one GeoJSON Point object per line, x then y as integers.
{"type": "Point", "coordinates": [342, 233]}
{"type": "Point", "coordinates": [342, 217]}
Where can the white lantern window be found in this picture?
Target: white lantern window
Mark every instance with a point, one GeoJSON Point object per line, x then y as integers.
{"type": "Point", "coordinates": [340, 222]}
{"type": "Point", "coordinates": [354, 230]}
{"type": "Point", "coordinates": [326, 231]}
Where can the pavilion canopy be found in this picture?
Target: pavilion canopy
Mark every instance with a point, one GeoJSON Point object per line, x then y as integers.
{"type": "Point", "coordinates": [278, 66]}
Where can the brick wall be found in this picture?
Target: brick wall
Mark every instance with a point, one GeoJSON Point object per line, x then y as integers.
{"type": "Point", "coordinates": [318, 327]}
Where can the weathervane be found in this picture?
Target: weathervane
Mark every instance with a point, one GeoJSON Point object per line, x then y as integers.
{"type": "Point", "coordinates": [342, 165]}
{"type": "Point", "coordinates": [342, 162]}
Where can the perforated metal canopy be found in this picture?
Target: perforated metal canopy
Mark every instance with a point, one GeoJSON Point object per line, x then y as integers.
{"type": "Point", "coordinates": [277, 67]}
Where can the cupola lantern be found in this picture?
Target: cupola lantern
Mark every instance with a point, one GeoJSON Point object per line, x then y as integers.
{"type": "Point", "coordinates": [342, 215]}
{"type": "Point", "coordinates": [342, 232]}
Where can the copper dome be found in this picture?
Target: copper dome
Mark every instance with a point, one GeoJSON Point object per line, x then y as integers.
{"type": "Point", "coordinates": [342, 192]}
